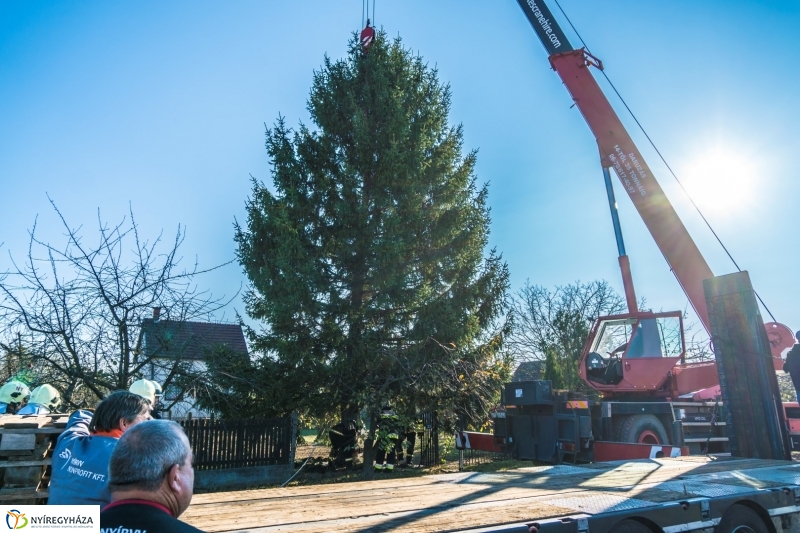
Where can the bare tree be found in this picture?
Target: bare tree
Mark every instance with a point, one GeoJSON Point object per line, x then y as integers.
{"type": "Point", "coordinates": [550, 327]}
{"type": "Point", "coordinates": [540, 315]}
{"type": "Point", "coordinates": [78, 310]}
{"type": "Point", "coordinates": [698, 345]}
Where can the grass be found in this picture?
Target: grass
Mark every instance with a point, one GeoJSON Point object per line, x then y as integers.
{"type": "Point", "coordinates": [314, 476]}
{"type": "Point", "coordinates": [500, 466]}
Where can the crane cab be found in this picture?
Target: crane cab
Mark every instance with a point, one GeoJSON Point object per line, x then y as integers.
{"type": "Point", "coordinates": [633, 352]}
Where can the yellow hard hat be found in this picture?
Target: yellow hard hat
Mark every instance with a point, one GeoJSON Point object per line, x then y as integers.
{"type": "Point", "coordinates": [144, 388]}
{"type": "Point", "coordinates": [46, 395]}
{"type": "Point", "coordinates": [14, 392]}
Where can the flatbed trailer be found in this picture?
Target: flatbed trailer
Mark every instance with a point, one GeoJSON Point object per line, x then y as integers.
{"type": "Point", "coordinates": [658, 495]}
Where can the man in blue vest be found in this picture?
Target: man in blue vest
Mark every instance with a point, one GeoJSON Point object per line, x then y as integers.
{"type": "Point", "coordinates": [82, 452]}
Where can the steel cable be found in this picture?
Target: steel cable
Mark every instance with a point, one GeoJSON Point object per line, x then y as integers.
{"type": "Point", "coordinates": [663, 160]}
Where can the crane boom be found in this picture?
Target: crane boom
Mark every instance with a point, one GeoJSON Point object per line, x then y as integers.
{"type": "Point", "coordinates": [640, 353]}
{"type": "Point", "coordinates": [618, 151]}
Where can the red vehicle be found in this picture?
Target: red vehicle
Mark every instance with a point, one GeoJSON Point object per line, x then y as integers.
{"type": "Point", "coordinates": [651, 395]}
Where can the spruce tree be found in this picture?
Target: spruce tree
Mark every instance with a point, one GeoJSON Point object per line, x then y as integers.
{"type": "Point", "coordinates": [367, 257]}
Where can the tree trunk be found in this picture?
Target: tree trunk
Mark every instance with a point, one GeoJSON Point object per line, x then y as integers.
{"type": "Point", "coordinates": [369, 449]}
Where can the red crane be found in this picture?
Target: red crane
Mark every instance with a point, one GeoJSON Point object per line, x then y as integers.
{"type": "Point", "coordinates": [638, 352]}
{"type": "Point", "coordinates": [651, 397]}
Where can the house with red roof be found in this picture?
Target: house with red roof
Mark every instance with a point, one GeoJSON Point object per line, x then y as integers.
{"type": "Point", "coordinates": [176, 353]}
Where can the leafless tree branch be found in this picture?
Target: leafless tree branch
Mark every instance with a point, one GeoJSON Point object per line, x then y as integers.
{"type": "Point", "coordinates": [77, 311]}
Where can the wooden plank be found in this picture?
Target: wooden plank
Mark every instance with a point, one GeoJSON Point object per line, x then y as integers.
{"type": "Point", "coordinates": [47, 430]}
{"type": "Point", "coordinates": [208, 437]}
{"type": "Point", "coordinates": [12, 444]}
{"type": "Point", "coordinates": [6, 419]}
{"type": "Point", "coordinates": [223, 446]}
{"type": "Point", "coordinates": [230, 447]}
{"type": "Point", "coordinates": [39, 462]}
{"type": "Point", "coordinates": [28, 421]}
{"type": "Point", "coordinates": [22, 494]}
{"type": "Point", "coordinates": [226, 447]}
{"type": "Point", "coordinates": [60, 421]}
{"type": "Point", "coordinates": [213, 446]}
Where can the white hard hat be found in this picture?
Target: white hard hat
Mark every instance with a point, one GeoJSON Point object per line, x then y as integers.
{"type": "Point", "coordinates": [144, 388]}
{"type": "Point", "coordinates": [46, 395]}
{"type": "Point", "coordinates": [157, 387]}
{"type": "Point", "coordinates": [14, 392]}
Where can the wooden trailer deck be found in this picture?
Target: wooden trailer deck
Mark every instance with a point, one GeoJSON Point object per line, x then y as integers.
{"type": "Point", "coordinates": [464, 501]}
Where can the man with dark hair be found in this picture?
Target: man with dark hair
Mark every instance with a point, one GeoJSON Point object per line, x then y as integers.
{"type": "Point", "coordinates": [80, 458]}
{"type": "Point", "coordinates": [151, 480]}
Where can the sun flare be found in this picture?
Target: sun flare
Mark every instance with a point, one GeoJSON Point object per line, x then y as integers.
{"type": "Point", "coordinates": [720, 180]}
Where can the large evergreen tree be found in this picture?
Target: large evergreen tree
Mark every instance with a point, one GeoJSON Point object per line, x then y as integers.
{"type": "Point", "coordinates": [366, 257]}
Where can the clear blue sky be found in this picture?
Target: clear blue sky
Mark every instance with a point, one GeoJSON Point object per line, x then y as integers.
{"type": "Point", "coordinates": [162, 105]}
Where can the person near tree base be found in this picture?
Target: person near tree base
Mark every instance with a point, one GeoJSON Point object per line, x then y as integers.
{"type": "Point", "coordinates": [344, 443]}
{"type": "Point", "coordinates": [792, 365]}
{"type": "Point", "coordinates": [405, 445]}
{"type": "Point", "coordinates": [386, 440]}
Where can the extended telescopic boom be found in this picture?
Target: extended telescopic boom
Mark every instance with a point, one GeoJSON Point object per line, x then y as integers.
{"type": "Point", "coordinates": [618, 151]}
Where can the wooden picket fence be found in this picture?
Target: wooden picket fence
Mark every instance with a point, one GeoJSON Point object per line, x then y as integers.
{"type": "Point", "coordinates": [223, 444]}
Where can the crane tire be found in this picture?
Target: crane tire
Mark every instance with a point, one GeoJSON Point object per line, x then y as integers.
{"type": "Point", "coordinates": [741, 519]}
{"type": "Point", "coordinates": [630, 526]}
{"type": "Point", "coordinates": [643, 429]}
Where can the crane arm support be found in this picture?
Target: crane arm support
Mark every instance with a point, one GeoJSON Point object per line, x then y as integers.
{"type": "Point", "coordinates": [618, 151]}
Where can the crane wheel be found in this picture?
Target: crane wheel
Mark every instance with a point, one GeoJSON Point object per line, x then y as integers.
{"type": "Point", "coordinates": [643, 429]}
{"type": "Point", "coordinates": [741, 519]}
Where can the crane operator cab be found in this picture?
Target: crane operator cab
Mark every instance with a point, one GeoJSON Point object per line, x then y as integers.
{"type": "Point", "coordinates": [632, 352]}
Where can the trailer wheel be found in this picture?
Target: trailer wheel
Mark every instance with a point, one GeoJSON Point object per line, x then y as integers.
{"type": "Point", "coordinates": [643, 429]}
{"type": "Point", "coordinates": [630, 526]}
{"type": "Point", "coordinates": [741, 519]}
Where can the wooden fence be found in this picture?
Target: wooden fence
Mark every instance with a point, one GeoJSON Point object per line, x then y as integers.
{"type": "Point", "coordinates": [224, 444]}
